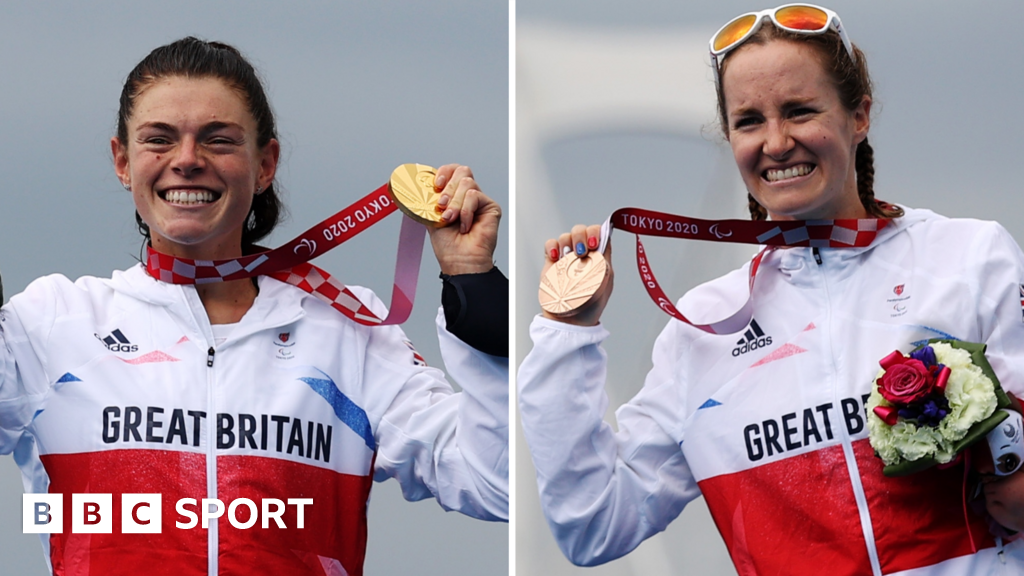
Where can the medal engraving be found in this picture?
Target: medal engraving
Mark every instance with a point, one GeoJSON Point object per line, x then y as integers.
{"type": "Point", "coordinates": [412, 187]}
{"type": "Point", "coordinates": [571, 282]}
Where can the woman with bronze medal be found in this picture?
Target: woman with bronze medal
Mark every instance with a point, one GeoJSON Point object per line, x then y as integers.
{"type": "Point", "coordinates": [831, 436]}
{"type": "Point", "coordinates": [264, 403]}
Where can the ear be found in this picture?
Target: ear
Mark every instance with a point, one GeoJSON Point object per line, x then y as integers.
{"type": "Point", "coordinates": [269, 157]}
{"type": "Point", "coordinates": [120, 154]}
{"type": "Point", "coordinates": [861, 116]}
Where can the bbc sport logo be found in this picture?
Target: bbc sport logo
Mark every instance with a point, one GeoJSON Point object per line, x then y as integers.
{"type": "Point", "coordinates": [143, 514]}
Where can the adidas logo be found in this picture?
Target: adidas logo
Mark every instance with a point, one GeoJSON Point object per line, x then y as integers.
{"type": "Point", "coordinates": [117, 342]}
{"type": "Point", "coordinates": [753, 339]}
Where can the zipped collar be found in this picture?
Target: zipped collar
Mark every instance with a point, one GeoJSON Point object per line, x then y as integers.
{"type": "Point", "coordinates": [278, 304]}
{"type": "Point", "coordinates": [911, 217]}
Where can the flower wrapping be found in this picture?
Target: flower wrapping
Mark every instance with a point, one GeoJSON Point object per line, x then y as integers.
{"type": "Point", "coordinates": [926, 408]}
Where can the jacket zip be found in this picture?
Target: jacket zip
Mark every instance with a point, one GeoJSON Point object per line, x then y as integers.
{"type": "Point", "coordinates": [213, 536]}
{"type": "Point", "coordinates": [851, 461]}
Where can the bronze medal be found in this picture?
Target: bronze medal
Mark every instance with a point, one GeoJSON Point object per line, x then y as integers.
{"type": "Point", "coordinates": [412, 187]}
{"type": "Point", "coordinates": [571, 282]}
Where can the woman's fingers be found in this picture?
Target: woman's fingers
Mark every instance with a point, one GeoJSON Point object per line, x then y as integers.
{"type": "Point", "coordinates": [444, 174]}
{"type": "Point", "coordinates": [580, 240]}
{"type": "Point", "coordinates": [455, 182]}
{"type": "Point", "coordinates": [593, 236]}
{"type": "Point", "coordinates": [552, 252]}
{"type": "Point", "coordinates": [467, 245]}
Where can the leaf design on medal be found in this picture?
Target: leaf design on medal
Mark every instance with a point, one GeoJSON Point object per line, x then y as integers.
{"type": "Point", "coordinates": [549, 294]}
{"type": "Point", "coordinates": [413, 188]}
{"type": "Point", "coordinates": [575, 282]}
{"type": "Point", "coordinates": [590, 275]}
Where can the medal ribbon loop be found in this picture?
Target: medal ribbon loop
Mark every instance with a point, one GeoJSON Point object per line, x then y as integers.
{"type": "Point", "coordinates": [290, 262]}
{"type": "Point", "coordinates": [841, 233]}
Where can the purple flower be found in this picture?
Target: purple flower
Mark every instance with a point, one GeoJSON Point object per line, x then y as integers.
{"type": "Point", "coordinates": [926, 412]}
{"type": "Point", "coordinates": [933, 411]}
{"type": "Point", "coordinates": [925, 355]}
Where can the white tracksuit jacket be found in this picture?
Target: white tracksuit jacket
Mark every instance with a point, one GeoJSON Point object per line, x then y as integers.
{"type": "Point", "coordinates": [768, 424]}
{"type": "Point", "coordinates": [111, 387]}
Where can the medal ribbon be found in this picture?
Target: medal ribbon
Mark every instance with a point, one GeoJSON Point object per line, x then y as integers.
{"type": "Point", "coordinates": [290, 262]}
{"type": "Point", "coordinates": [843, 233]}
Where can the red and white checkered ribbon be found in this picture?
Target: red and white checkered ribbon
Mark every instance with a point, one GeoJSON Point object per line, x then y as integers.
{"type": "Point", "coordinates": [290, 263]}
{"type": "Point", "coordinates": [844, 233]}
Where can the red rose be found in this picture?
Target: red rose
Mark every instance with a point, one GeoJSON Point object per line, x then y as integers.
{"type": "Point", "coordinates": [906, 382]}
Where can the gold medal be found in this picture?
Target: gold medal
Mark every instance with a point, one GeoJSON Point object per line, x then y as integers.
{"type": "Point", "coordinates": [571, 282]}
{"type": "Point", "coordinates": [412, 187]}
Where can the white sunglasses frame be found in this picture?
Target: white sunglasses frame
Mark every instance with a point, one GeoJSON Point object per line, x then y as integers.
{"type": "Point", "coordinates": [834, 23]}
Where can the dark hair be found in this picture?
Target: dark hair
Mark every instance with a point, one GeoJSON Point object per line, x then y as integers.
{"type": "Point", "coordinates": [194, 58]}
{"type": "Point", "coordinates": [852, 82]}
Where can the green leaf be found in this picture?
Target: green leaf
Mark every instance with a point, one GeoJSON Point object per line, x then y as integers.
{"type": "Point", "coordinates": [908, 467]}
{"type": "Point", "coordinates": [979, 430]}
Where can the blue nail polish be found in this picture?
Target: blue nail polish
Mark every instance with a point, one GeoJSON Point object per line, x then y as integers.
{"type": "Point", "coordinates": [580, 249]}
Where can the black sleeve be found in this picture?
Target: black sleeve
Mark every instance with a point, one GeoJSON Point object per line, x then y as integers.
{"type": "Point", "coordinates": [476, 310]}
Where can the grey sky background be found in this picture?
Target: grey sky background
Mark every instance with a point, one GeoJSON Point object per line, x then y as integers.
{"type": "Point", "coordinates": [358, 88]}
{"type": "Point", "coordinates": [948, 134]}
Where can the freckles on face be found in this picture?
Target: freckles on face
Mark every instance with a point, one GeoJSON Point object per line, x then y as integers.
{"type": "Point", "coordinates": [193, 163]}
{"type": "Point", "coordinates": [792, 139]}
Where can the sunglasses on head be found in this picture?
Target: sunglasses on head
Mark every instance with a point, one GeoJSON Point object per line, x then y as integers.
{"type": "Point", "coordinates": [797, 18]}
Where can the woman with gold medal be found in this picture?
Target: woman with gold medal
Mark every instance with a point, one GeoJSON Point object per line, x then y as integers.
{"type": "Point", "coordinates": [251, 390]}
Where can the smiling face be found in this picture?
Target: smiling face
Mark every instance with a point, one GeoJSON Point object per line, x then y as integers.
{"type": "Point", "coordinates": [793, 140]}
{"type": "Point", "coordinates": [193, 165]}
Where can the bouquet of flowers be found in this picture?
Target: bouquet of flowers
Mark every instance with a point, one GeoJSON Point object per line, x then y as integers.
{"type": "Point", "coordinates": [926, 408]}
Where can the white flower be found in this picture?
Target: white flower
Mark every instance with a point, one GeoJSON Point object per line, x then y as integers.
{"type": "Point", "coordinates": [971, 394]}
{"type": "Point", "coordinates": [971, 397]}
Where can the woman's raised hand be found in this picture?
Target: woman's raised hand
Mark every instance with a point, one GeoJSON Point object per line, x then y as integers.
{"type": "Point", "coordinates": [581, 240]}
{"type": "Point", "coordinates": [466, 245]}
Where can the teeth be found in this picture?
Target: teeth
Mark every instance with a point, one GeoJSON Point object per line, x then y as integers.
{"type": "Point", "coordinates": [189, 198]}
{"type": "Point", "coordinates": [776, 175]}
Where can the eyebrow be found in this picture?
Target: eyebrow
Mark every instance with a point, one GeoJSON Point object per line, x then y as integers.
{"type": "Point", "coordinates": [157, 126]}
{"type": "Point", "coordinates": [787, 105]}
{"type": "Point", "coordinates": [206, 129]}
{"type": "Point", "coordinates": [747, 111]}
{"type": "Point", "coordinates": [797, 102]}
{"type": "Point", "coordinates": [215, 126]}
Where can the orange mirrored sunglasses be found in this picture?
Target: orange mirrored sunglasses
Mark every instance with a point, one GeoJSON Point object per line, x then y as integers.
{"type": "Point", "coordinates": [798, 18]}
